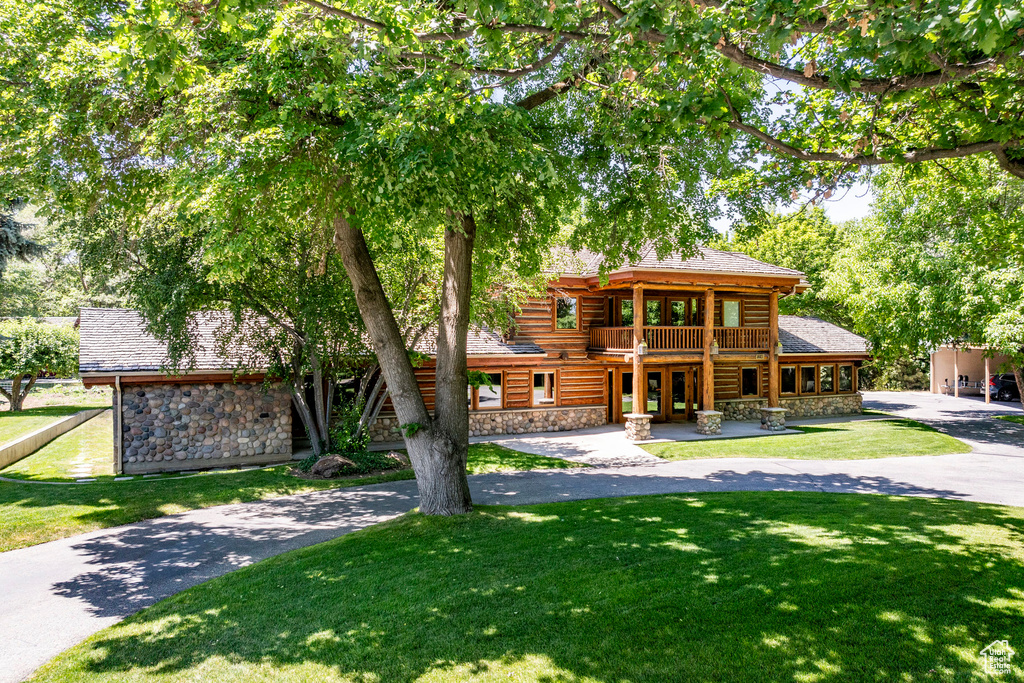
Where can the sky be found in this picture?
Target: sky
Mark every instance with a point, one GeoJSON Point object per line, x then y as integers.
{"type": "Point", "coordinates": [848, 205]}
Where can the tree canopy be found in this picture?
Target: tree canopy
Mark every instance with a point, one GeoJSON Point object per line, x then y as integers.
{"type": "Point", "coordinates": [28, 348]}
{"type": "Point", "coordinates": [483, 125]}
{"type": "Point", "coordinates": [939, 261]}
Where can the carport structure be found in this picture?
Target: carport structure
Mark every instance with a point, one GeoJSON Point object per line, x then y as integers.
{"type": "Point", "coordinates": [949, 363]}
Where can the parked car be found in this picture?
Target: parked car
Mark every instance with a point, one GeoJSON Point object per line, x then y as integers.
{"type": "Point", "coordinates": [1004, 387]}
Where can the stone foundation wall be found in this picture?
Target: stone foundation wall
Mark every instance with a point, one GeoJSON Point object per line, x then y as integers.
{"type": "Point", "coordinates": [171, 427]}
{"type": "Point", "coordinates": [517, 421]}
{"type": "Point", "coordinates": [796, 407]}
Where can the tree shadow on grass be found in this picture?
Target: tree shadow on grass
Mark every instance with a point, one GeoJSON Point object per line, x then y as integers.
{"type": "Point", "coordinates": [734, 586]}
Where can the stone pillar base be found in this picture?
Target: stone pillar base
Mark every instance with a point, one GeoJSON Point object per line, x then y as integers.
{"type": "Point", "coordinates": [773, 419]}
{"type": "Point", "coordinates": [638, 426]}
{"type": "Point", "coordinates": [709, 422]}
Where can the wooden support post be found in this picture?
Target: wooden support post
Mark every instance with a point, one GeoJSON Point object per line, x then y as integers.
{"type": "Point", "coordinates": [956, 373]}
{"type": "Point", "coordinates": [773, 350]}
{"type": "Point", "coordinates": [708, 402]}
{"type": "Point", "coordinates": [988, 385]}
{"type": "Point", "coordinates": [639, 385]}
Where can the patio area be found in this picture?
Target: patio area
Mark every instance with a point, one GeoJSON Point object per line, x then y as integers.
{"type": "Point", "coordinates": [607, 446]}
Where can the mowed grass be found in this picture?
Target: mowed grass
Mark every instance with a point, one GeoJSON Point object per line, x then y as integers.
{"type": "Point", "coordinates": [1018, 419]}
{"type": "Point", "coordinates": [36, 512]}
{"type": "Point", "coordinates": [85, 451]}
{"type": "Point", "coordinates": [853, 440]}
{"type": "Point", "coordinates": [16, 425]}
{"type": "Point", "coordinates": [749, 587]}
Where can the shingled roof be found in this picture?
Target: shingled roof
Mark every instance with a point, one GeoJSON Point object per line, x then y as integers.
{"type": "Point", "coordinates": [115, 340]}
{"type": "Point", "coordinates": [482, 341]}
{"type": "Point", "coordinates": [811, 335]}
{"type": "Point", "coordinates": [706, 260]}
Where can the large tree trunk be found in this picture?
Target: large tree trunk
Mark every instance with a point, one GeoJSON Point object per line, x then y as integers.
{"type": "Point", "coordinates": [1018, 374]}
{"type": "Point", "coordinates": [437, 448]}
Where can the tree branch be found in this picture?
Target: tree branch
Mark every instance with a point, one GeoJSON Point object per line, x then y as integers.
{"type": "Point", "coordinates": [561, 87]}
{"type": "Point", "coordinates": [914, 156]}
{"type": "Point", "coordinates": [929, 79]}
{"type": "Point", "coordinates": [504, 73]}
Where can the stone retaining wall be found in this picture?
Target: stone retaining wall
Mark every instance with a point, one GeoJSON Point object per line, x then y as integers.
{"type": "Point", "coordinates": [518, 421]}
{"type": "Point", "coordinates": [796, 407]}
{"type": "Point", "coordinates": [170, 427]}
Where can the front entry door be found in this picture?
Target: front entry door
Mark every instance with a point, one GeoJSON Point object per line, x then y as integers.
{"type": "Point", "coordinates": [684, 385]}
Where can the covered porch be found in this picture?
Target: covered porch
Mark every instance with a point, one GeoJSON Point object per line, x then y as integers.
{"type": "Point", "coordinates": [694, 328]}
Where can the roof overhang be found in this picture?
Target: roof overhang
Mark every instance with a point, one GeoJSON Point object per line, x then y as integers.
{"type": "Point", "coordinates": [108, 378]}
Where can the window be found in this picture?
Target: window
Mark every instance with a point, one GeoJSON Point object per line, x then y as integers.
{"type": "Point", "coordinates": [678, 312]}
{"type": "Point", "coordinates": [730, 313]}
{"type": "Point", "coordinates": [827, 379]}
{"type": "Point", "coordinates": [565, 313]}
{"type": "Point", "coordinates": [654, 392]}
{"type": "Point", "coordinates": [490, 396]}
{"type": "Point", "coordinates": [543, 388]}
{"type": "Point", "coordinates": [750, 382]}
{"type": "Point", "coordinates": [653, 312]}
{"type": "Point", "coordinates": [787, 380]}
{"type": "Point", "coordinates": [808, 379]}
{"type": "Point", "coordinates": [845, 378]}
{"type": "Point", "coordinates": [627, 393]}
{"type": "Point", "coordinates": [626, 312]}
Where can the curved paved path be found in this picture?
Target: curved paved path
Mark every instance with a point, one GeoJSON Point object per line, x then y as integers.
{"type": "Point", "coordinates": [56, 594]}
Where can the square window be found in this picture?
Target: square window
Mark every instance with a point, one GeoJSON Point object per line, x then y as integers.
{"type": "Point", "coordinates": [787, 380]}
{"type": "Point", "coordinates": [490, 395]}
{"type": "Point", "coordinates": [544, 388]}
{"type": "Point", "coordinates": [730, 313]}
{"type": "Point", "coordinates": [808, 384]}
{"type": "Point", "coordinates": [827, 378]}
{"type": "Point", "coordinates": [750, 382]}
{"type": "Point", "coordinates": [565, 313]}
{"type": "Point", "coordinates": [845, 378]}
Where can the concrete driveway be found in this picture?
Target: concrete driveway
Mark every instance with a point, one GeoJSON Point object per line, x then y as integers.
{"type": "Point", "coordinates": [56, 594]}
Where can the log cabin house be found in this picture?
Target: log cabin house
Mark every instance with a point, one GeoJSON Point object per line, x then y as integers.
{"type": "Point", "coordinates": [696, 339]}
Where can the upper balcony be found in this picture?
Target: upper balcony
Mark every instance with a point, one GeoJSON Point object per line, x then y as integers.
{"type": "Point", "coordinates": [679, 338]}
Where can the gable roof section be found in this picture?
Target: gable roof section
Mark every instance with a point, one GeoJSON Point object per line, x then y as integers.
{"type": "Point", "coordinates": [707, 260]}
{"type": "Point", "coordinates": [812, 335]}
{"type": "Point", "coordinates": [115, 340]}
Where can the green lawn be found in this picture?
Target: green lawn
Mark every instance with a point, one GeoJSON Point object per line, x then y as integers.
{"type": "Point", "coordinates": [1019, 419]}
{"type": "Point", "coordinates": [32, 513]}
{"type": "Point", "coordinates": [854, 440]}
{"type": "Point", "coordinates": [16, 425]}
{"type": "Point", "coordinates": [85, 451]}
{"type": "Point", "coordinates": [751, 587]}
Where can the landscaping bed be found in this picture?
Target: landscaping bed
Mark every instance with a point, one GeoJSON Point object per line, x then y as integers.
{"type": "Point", "coordinates": [850, 440]}
{"type": "Point", "coordinates": [755, 586]}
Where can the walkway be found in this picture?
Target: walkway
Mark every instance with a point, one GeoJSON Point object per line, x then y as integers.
{"type": "Point", "coordinates": [56, 594]}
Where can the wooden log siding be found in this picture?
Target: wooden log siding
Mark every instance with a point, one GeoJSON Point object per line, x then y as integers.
{"type": "Point", "coordinates": [517, 388]}
{"type": "Point", "coordinates": [583, 386]}
{"type": "Point", "coordinates": [727, 382]}
{"type": "Point", "coordinates": [534, 324]}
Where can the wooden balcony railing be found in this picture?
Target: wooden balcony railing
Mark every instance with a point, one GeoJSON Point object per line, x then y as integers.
{"type": "Point", "coordinates": [678, 338]}
{"type": "Point", "coordinates": [745, 338]}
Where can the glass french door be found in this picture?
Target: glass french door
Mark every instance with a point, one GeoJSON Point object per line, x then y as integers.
{"type": "Point", "coordinates": [684, 401]}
